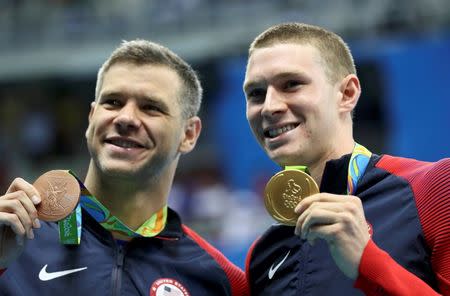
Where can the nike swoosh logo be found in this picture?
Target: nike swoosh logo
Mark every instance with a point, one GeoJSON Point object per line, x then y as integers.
{"type": "Point", "coordinates": [272, 269]}
{"type": "Point", "coordinates": [47, 276]}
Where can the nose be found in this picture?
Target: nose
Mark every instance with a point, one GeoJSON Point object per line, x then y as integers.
{"type": "Point", "coordinates": [273, 103]}
{"type": "Point", "coordinates": [127, 118]}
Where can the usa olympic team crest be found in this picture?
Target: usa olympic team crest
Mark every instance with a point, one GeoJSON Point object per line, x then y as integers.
{"type": "Point", "coordinates": [168, 287]}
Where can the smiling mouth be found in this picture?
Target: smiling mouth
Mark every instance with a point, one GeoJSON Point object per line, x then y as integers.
{"type": "Point", "coordinates": [124, 143]}
{"type": "Point", "coordinates": [275, 132]}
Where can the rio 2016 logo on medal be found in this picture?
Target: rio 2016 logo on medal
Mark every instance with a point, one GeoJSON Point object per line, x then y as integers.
{"type": "Point", "coordinates": [284, 191]}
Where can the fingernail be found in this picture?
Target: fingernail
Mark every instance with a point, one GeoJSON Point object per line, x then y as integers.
{"type": "Point", "coordinates": [35, 199]}
{"type": "Point", "coordinates": [298, 209]}
{"type": "Point", "coordinates": [304, 234]}
{"type": "Point", "coordinates": [31, 234]}
{"type": "Point", "coordinates": [19, 240]}
{"type": "Point", "coordinates": [36, 223]}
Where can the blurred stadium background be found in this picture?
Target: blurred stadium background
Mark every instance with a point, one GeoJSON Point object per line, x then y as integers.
{"type": "Point", "coordinates": [50, 51]}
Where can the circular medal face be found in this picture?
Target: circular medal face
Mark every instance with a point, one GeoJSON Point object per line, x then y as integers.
{"type": "Point", "coordinates": [60, 193]}
{"type": "Point", "coordinates": [284, 191]}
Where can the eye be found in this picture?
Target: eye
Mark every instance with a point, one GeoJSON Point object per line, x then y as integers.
{"type": "Point", "coordinates": [155, 107]}
{"type": "Point", "coordinates": [111, 102]}
{"type": "Point", "coordinates": [256, 94]}
{"type": "Point", "coordinates": [290, 84]}
{"type": "Point", "coordinates": [151, 107]}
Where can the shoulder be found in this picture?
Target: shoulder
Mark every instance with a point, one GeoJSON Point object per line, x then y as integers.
{"type": "Point", "coordinates": [430, 183]}
{"type": "Point", "coordinates": [210, 249]}
{"type": "Point", "coordinates": [234, 274]}
{"type": "Point", "coordinates": [421, 175]}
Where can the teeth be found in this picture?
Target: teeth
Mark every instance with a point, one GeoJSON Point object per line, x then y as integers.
{"type": "Point", "coordinates": [278, 131]}
{"type": "Point", "coordinates": [125, 144]}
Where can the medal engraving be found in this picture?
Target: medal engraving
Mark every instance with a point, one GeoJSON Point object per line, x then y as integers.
{"type": "Point", "coordinates": [292, 195]}
{"type": "Point", "coordinates": [284, 191]}
{"type": "Point", "coordinates": [60, 193]}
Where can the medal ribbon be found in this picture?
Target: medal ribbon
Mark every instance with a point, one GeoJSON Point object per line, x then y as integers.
{"type": "Point", "coordinates": [70, 227]}
{"type": "Point", "coordinates": [357, 166]}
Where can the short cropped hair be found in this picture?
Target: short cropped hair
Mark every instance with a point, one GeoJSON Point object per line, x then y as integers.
{"type": "Point", "coordinates": [143, 52]}
{"type": "Point", "coordinates": [334, 51]}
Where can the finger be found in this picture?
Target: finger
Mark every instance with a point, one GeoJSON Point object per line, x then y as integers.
{"type": "Point", "coordinates": [318, 217]}
{"type": "Point", "coordinates": [15, 206]}
{"type": "Point", "coordinates": [319, 197]}
{"type": "Point", "coordinates": [326, 232]}
{"type": "Point", "coordinates": [330, 206]}
{"type": "Point", "coordinates": [26, 203]}
{"type": "Point", "coordinates": [12, 221]}
{"type": "Point", "coordinates": [20, 184]}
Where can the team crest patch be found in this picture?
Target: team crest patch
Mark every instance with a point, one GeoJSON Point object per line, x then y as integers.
{"type": "Point", "coordinates": [168, 287]}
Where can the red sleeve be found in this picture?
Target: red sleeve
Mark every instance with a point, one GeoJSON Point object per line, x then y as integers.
{"type": "Point", "coordinates": [247, 262]}
{"type": "Point", "coordinates": [235, 275]}
{"type": "Point", "coordinates": [2, 271]}
{"type": "Point", "coordinates": [379, 274]}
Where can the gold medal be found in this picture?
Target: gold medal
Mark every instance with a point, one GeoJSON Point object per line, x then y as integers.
{"type": "Point", "coordinates": [284, 191]}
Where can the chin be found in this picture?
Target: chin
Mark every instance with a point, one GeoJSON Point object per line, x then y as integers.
{"type": "Point", "coordinates": [284, 158]}
{"type": "Point", "coordinates": [124, 170]}
{"type": "Point", "coordinates": [119, 172]}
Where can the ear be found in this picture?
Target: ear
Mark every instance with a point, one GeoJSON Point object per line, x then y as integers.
{"type": "Point", "coordinates": [192, 129]}
{"type": "Point", "coordinates": [91, 112]}
{"type": "Point", "coordinates": [350, 90]}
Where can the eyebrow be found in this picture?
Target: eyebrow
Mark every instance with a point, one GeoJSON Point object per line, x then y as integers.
{"type": "Point", "coordinates": [249, 85]}
{"type": "Point", "coordinates": [153, 99]}
{"type": "Point", "coordinates": [262, 82]}
{"type": "Point", "coordinates": [110, 94]}
{"type": "Point", "coordinates": [148, 99]}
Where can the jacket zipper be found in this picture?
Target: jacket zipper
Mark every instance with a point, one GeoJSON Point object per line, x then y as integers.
{"type": "Point", "coordinates": [117, 271]}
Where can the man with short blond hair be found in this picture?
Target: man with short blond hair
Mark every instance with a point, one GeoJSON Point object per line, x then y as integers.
{"type": "Point", "coordinates": [380, 223]}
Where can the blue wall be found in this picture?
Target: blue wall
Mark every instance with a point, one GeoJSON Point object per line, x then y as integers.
{"type": "Point", "coordinates": [417, 77]}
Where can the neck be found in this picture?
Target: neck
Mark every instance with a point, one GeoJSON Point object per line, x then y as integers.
{"type": "Point", "coordinates": [317, 167]}
{"type": "Point", "coordinates": [132, 200]}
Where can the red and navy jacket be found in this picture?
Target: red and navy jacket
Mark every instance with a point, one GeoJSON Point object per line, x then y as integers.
{"type": "Point", "coordinates": [407, 206]}
{"type": "Point", "coordinates": [176, 262]}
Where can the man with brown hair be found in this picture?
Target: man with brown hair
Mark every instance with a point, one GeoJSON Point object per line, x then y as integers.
{"type": "Point", "coordinates": [143, 119]}
{"type": "Point", "coordinates": [380, 223]}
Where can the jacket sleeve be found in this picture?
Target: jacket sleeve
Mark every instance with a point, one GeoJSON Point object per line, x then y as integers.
{"type": "Point", "coordinates": [379, 274]}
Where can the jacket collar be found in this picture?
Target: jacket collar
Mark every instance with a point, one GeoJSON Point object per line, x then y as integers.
{"type": "Point", "coordinates": [173, 229]}
{"type": "Point", "coordinates": [334, 177]}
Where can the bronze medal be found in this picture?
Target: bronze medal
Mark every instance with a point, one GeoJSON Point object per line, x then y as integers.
{"type": "Point", "coordinates": [60, 193]}
{"type": "Point", "coordinates": [284, 191]}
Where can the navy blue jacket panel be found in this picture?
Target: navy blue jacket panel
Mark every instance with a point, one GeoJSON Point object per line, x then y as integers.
{"type": "Point", "coordinates": [281, 263]}
{"type": "Point", "coordinates": [101, 266]}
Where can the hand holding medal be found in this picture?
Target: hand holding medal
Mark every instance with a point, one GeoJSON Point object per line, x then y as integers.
{"type": "Point", "coordinates": [59, 193]}
{"type": "Point", "coordinates": [284, 191]}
